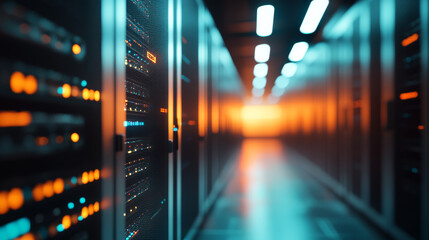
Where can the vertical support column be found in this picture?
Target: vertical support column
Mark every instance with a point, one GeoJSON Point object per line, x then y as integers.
{"type": "Point", "coordinates": [113, 94]}
{"type": "Point", "coordinates": [365, 60]}
{"type": "Point", "coordinates": [120, 51]}
{"type": "Point", "coordinates": [202, 104]}
{"type": "Point", "coordinates": [179, 117]}
{"type": "Point", "coordinates": [108, 119]}
{"type": "Point", "coordinates": [171, 111]}
{"type": "Point", "coordinates": [387, 27]}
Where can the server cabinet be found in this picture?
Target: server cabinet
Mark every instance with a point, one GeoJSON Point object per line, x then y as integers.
{"type": "Point", "coordinates": [377, 99]}
{"type": "Point", "coordinates": [408, 119]}
{"type": "Point", "coordinates": [188, 164]}
{"type": "Point", "coordinates": [146, 108]}
{"type": "Point", "coordinates": [424, 13]}
{"type": "Point", "coordinates": [51, 169]}
{"type": "Point", "coordinates": [202, 64]}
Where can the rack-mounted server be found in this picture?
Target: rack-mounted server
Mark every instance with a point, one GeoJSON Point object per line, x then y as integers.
{"type": "Point", "coordinates": [370, 137]}
{"type": "Point", "coordinates": [50, 120]}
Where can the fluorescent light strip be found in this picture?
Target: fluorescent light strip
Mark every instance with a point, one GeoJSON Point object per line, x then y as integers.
{"type": "Point", "coordinates": [313, 16]}
{"type": "Point", "coordinates": [281, 82]}
{"type": "Point", "coordinates": [264, 20]}
{"type": "Point", "coordinates": [298, 51]}
{"type": "Point", "coordinates": [289, 69]}
{"type": "Point", "coordinates": [277, 92]}
{"type": "Point", "coordinates": [260, 70]}
{"type": "Point", "coordinates": [258, 92]}
{"type": "Point", "coordinates": [262, 53]}
{"type": "Point", "coordinates": [259, 83]}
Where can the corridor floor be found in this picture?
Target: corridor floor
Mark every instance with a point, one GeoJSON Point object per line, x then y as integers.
{"type": "Point", "coordinates": [270, 198]}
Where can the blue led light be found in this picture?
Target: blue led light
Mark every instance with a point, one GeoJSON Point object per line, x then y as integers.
{"type": "Point", "coordinates": [414, 170]}
{"type": "Point", "coordinates": [80, 218]}
{"type": "Point", "coordinates": [60, 228]}
{"type": "Point", "coordinates": [60, 90]}
{"type": "Point", "coordinates": [83, 83]}
{"type": "Point", "coordinates": [73, 180]}
{"type": "Point", "coordinates": [12, 230]}
{"type": "Point", "coordinates": [15, 229]}
{"type": "Point", "coordinates": [133, 124]}
{"type": "Point", "coordinates": [24, 225]}
{"type": "Point", "coordinates": [175, 129]}
{"type": "Point", "coordinates": [70, 205]}
{"type": "Point", "coordinates": [82, 200]}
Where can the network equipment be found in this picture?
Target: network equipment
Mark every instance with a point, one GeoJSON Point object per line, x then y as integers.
{"type": "Point", "coordinates": [50, 120]}
{"type": "Point", "coordinates": [146, 125]}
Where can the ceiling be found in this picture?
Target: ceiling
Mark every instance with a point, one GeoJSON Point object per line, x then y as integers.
{"type": "Point", "coordinates": [236, 20]}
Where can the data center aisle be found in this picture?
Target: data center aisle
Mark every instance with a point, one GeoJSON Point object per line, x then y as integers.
{"type": "Point", "coordinates": [270, 197]}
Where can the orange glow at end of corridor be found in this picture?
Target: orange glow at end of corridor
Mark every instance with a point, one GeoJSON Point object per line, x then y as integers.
{"type": "Point", "coordinates": [261, 120]}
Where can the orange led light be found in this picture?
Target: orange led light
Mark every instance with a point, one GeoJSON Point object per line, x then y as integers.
{"type": "Point", "coordinates": [97, 96]}
{"type": "Point", "coordinates": [41, 141]}
{"type": "Point", "coordinates": [52, 230]}
{"type": "Point", "coordinates": [48, 189]}
{"type": "Point", "coordinates": [38, 193]}
{"type": "Point", "coordinates": [28, 236]}
{"type": "Point", "coordinates": [66, 221]}
{"type": "Point", "coordinates": [17, 82]}
{"type": "Point", "coordinates": [84, 212]}
{"type": "Point", "coordinates": [59, 139]}
{"type": "Point", "coordinates": [96, 207]}
{"type": "Point", "coordinates": [91, 95]}
{"type": "Point", "coordinates": [91, 176]}
{"type": "Point", "coordinates": [74, 137]}
{"type": "Point", "coordinates": [409, 95]}
{"type": "Point", "coordinates": [91, 209]}
{"type": "Point", "coordinates": [58, 185]}
{"type": "Point", "coordinates": [75, 91]}
{"type": "Point", "coordinates": [151, 57]}
{"type": "Point", "coordinates": [85, 177]}
{"type": "Point", "coordinates": [30, 85]}
{"type": "Point", "coordinates": [66, 90]}
{"type": "Point", "coordinates": [421, 127]}
{"type": "Point", "coordinates": [46, 39]}
{"type": "Point", "coordinates": [409, 40]}
{"type": "Point", "coordinates": [4, 207]}
{"type": "Point", "coordinates": [85, 94]}
{"type": "Point", "coordinates": [74, 219]}
{"type": "Point", "coordinates": [76, 49]}
{"type": "Point", "coordinates": [15, 119]}
{"type": "Point", "coordinates": [15, 198]}
{"type": "Point", "coordinates": [96, 174]}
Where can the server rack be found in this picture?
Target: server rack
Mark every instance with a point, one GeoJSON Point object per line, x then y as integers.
{"type": "Point", "coordinates": [87, 118]}
{"type": "Point", "coordinates": [202, 65]}
{"type": "Point", "coordinates": [188, 167]}
{"type": "Point", "coordinates": [54, 183]}
{"type": "Point", "coordinates": [372, 74]}
{"type": "Point", "coordinates": [408, 124]}
{"type": "Point", "coordinates": [146, 107]}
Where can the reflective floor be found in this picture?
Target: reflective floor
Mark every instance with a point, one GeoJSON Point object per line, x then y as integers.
{"type": "Point", "coordinates": [270, 197]}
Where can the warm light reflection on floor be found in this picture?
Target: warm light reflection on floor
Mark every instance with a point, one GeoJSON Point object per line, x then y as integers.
{"type": "Point", "coordinates": [272, 197]}
{"type": "Point", "coordinates": [270, 201]}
